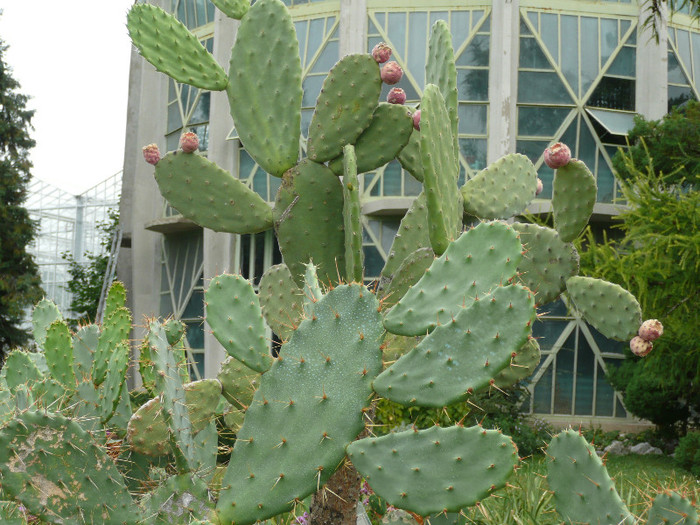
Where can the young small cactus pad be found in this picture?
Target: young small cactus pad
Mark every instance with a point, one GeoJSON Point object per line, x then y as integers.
{"type": "Point", "coordinates": [435, 470]}
{"type": "Point", "coordinates": [670, 508]}
{"type": "Point", "coordinates": [573, 197]}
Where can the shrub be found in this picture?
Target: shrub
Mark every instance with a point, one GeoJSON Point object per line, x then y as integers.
{"type": "Point", "coordinates": [688, 453]}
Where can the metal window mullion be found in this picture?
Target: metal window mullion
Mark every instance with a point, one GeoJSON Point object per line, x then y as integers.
{"type": "Point", "coordinates": [688, 78]}
{"type": "Point", "coordinates": [375, 241]}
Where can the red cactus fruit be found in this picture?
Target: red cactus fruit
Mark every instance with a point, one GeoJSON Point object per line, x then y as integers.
{"type": "Point", "coordinates": [391, 73]}
{"type": "Point", "coordinates": [557, 155]}
{"type": "Point", "coordinates": [151, 154]}
{"type": "Point", "coordinates": [640, 347]}
{"type": "Point", "coordinates": [396, 96]}
{"type": "Point", "coordinates": [381, 52]}
{"type": "Point", "coordinates": [651, 330]}
{"type": "Point", "coordinates": [416, 120]}
{"type": "Point", "coordinates": [189, 142]}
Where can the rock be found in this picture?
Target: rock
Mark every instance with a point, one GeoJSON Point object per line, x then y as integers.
{"type": "Point", "coordinates": [617, 448]}
{"type": "Point", "coordinates": [644, 449]}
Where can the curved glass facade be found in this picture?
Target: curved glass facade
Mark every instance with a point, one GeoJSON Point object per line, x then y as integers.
{"type": "Point", "coordinates": [530, 72]}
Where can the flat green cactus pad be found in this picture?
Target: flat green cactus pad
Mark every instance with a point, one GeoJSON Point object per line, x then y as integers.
{"type": "Point", "coordinates": [344, 107]}
{"type": "Point", "coordinates": [501, 190]}
{"type": "Point", "coordinates": [210, 196]}
{"type": "Point", "coordinates": [408, 274]}
{"type": "Point", "coordinates": [410, 157]}
{"type": "Point", "coordinates": [85, 342]}
{"type": "Point", "coordinates": [116, 298]}
{"type": "Point", "coordinates": [522, 365]}
{"type": "Point", "coordinates": [58, 349]}
{"type": "Point", "coordinates": [309, 222]}
{"type": "Point", "coordinates": [464, 355]}
{"type": "Point", "coordinates": [583, 490]}
{"type": "Point", "coordinates": [440, 171]}
{"type": "Point", "coordinates": [55, 469]}
{"type": "Point", "coordinates": [172, 49]}
{"type": "Point", "coordinates": [387, 134]}
{"type": "Point", "coordinates": [115, 330]}
{"type": "Point", "coordinates": [352, 215]}
{"type": "Point", "coordinates": [672, 509]}
{"type": "Point", "coordinates": [548, 261]}
{"type": "Point", "coordinates": [265, 86]}
{"type": "Point", "coordinates": [481, 259]}
{"type": "Point", "coordinates": [45, 313]}
{"type": "Point", "coordinates": [573, 197]}
{"type": "Point", "coordinates": [315, 394]}
{"type": "Point", "coordinates": [181, 499]}
{"type": "Point", "coordinates": [236, 9]}
{"type": "Point", "coordinates": [411, 236]}
{"type": "Point", "coordinates": [611, 309]}
{"type": "Point", "coordinates": [281, 300]}
{"type": "Point", "coordinates": [435, 470]}
{"type": "Point", "coordinates": [441, 70]}
{"type": "Point", "coordinates": [233, 312]}
{"type": "Point", "coordinates": [20, 369]}
{"type": "Point", "coordinates": [238, 382]}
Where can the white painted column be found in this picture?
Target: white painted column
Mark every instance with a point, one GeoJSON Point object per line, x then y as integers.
{"type": "Point", "coordinates": [652, 67]}
{"type": "Point", "coordinates": [503, 78]}
{"type": "Point", "coordinates": [353, 27]}
{"type": "Point", "coordinates": [219, 248]}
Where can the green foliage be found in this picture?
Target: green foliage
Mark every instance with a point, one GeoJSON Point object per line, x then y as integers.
{"type": "Point", "coordinates": [87, 277]}
{"type": "Point", "coordinates": [655, 12]}
{"type": "Point", "coordinates": [19, 275]}
{"type": "Point", "coordinates": [688, 453]}
{"type": "Point", "coordinates": [670, 145]}
{"type": "Point", "coordinates": [658, 260]}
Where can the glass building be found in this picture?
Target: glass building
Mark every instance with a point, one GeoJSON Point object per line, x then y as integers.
{"type": "Point", "coordinates": [68, 224]}
{"type": "Point", "coordinates": [530, 72]}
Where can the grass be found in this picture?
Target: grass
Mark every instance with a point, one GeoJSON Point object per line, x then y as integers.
{"type": "Point", "coordinates": [527, 500]}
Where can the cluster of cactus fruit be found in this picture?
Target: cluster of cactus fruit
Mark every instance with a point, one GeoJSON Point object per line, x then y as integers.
{"type": "Point", "coordinates": [454, 305]}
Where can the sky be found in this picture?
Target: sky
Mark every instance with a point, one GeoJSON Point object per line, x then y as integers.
{"type": "Point", "coordinates": [72, 58]}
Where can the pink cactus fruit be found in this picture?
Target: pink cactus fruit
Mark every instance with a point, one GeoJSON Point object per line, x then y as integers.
{"type": "Point", "coordinates": [391, 73]}
{"type": "Point", "coordinates": [540, 186]}
{"type": "Point", "coordinates": [189, 142]}
{"type": "Point", "coordinates": [416, 120]}
{"type": "Point", "coordinates": [396, 96]}
{"type": "Point", "coordinates": [151, 154]}
{"type": "Point", "coordinates": [651, 330]}
{"type": "Point", "coordinates": [381, 52]}
{"type": "Point", "coordinates": [640, 347]}
{"type": "Point", "coordinates": [557, 155]}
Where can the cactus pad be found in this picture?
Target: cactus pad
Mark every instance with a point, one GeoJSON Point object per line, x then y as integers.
{"type": "Point", "coordinates": [265, 86]}
{"type": "Point", "coordinates": [573, 197]}
{"type": "Point", "coordinates": [181, 499]}
{"type": "Point", "coordinates": [234, 8]}
{"type": "Point", "coordinates": [481, 259]}
{"type": "Point", "coordinates": [411, 236]}
{"type": "Point", "coordinates": [410, 157]}
{"type": "Point", "coordinates": [548, 262]}
{"type": "Point", "coordinates": [440, 70]}
{"type": "Point", "coordinates": [611, 309]}
{"type": "Point", "coordinates": [387, 134]}
{"type": "Point", "coordinates": [672, 509]}
{"type": "Point", "coordinates": [315, 393]}
{"type": "Point", "coordinates": [583, 491]}
{"type": "Point", "coordinates": [115, 329]}
{"type": "Point", "coordinates": [344, 107]}
{"type": "Point", "coordinates": [463, 355]}
{"type": "Point", "coordinates": [281, 300]}
{"type": "Point", "coordinates": [440, 171]}
{"type": "Point", "coordinates": [58, 349]}
{"type": "Point", "coordinates": [236, 319]}
{"type": "Point", "coordinates": [435, 470]}
{"type": "Point", "coordinates": [501, 190]}
{"type": "Point", "coordinates": [116, 298]}
{"type": "Point", "coordinates": [53, 467]}
{"type": "Point", "coordinates": [409, 273]}
{"type": "Point", "coordinates": [309, 222]}
{"type": "Point", "coordinates": [210, 196]}
{"type": "Point", "coordinates": [522, 365]}
{"type": "Point", "coordinates": [238, 382]}
{"type": "Point", "coordinates": [352, 215]}
{"type": "Point", "coordinates": [20, 369]}
{"type": "Point", "coordinates": [172, 49]}
{"type": "Point", "coordinates": [45, 313]}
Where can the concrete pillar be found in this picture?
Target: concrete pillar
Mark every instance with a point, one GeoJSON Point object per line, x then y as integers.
{"type": "Point", "coordinates": [353, 27]}
{"type": "Point", "coordinates": [503, 78]}
{"type": "Point", "coordinates": [652, 66]}
{"type": "Point", "coordinates": [141, 201]}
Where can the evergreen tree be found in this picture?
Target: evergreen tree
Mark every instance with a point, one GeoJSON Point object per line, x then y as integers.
{"type": "Point", "coordinates": [20, 284]}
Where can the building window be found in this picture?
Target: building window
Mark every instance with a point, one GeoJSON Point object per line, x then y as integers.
{"type": "Point", "coordinates": [193, 13]}
{"type": "Point", "coordinates": [576, 84]}
{"type": "Point", "coordinates": [683, 66]}
{"type": "Point", "coordinates": [182, 291]}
